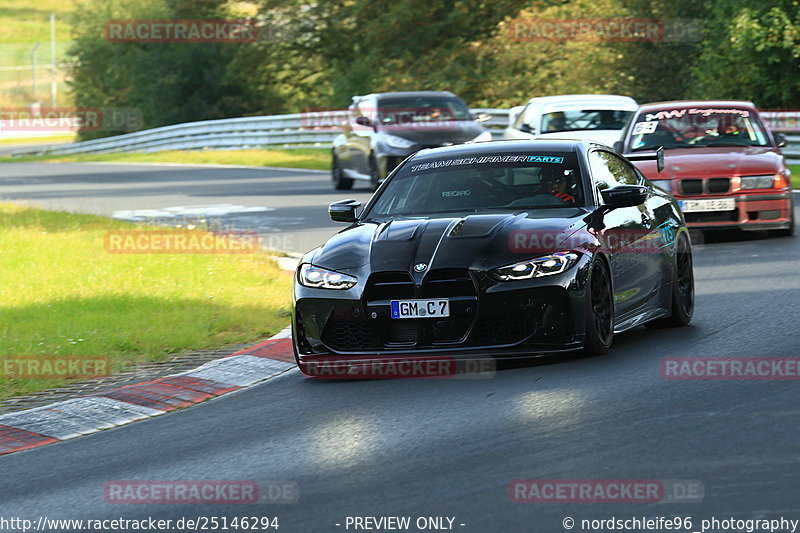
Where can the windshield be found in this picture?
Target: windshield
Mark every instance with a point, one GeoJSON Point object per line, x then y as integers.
{"type": "Point", "coordinates": [585, 119]}
{"type": "Point", "coordinates": [507, 181]}
{"type": "Point", "coordinates": [697, 127]}
{"type": "Point", "coordinates": [421, 109]}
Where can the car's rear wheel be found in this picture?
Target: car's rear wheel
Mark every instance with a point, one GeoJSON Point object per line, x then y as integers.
{"type": "Point", "coordinates": [340, 183]}
{"type": "Point", "coordinates": [600, 311]}
{"type": "Point", "coordinates": [682, 289]}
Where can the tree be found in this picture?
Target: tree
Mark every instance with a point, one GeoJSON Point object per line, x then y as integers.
{"type": "Point", "coordinates": [166, 83]}
{"type": "Point", "coordinates": [362, 46]}
{"type": "Point", "coordinates": [751, 52]}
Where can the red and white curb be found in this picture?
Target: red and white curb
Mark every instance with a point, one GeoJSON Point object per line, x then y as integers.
{"type": "Point", "coordinates": [80, 416]}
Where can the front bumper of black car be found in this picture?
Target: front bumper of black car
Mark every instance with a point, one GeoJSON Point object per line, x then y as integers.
{"type": "Point", "coordinates": [487, 317]}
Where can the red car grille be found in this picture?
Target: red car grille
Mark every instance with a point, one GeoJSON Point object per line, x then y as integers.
{"type": "Point", "coordinates": [695, 186]}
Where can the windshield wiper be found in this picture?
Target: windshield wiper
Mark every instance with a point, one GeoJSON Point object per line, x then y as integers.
{"type": "Point", "coordinates": [651, 148]}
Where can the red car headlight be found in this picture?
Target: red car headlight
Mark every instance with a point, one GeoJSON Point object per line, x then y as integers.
{"type": "Point", "coordinates": [767, 181]}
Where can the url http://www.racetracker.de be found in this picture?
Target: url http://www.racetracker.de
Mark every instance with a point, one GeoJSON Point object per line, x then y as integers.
{"type": "Point", "coordinates": [683, 523]}
{"type": "Point", "coordinates": [44, 524]}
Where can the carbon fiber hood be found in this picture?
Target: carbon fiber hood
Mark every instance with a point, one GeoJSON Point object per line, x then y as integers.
{"type": "Point", "coordinates": [477, 241]}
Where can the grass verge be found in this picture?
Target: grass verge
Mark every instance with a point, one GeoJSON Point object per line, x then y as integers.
{"type": "Point", "coordinates": [311, 158]}
{"type": "Point", "coordinates": [64, 295]}
{"type": "Point", "coordinates": [52, 139]}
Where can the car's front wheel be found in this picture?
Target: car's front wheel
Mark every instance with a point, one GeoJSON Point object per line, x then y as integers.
{"type": "Point", "coordinates": [374, 172]}
{"type": "Point", "coordinates": [600, 311]}
{"type": "Point", "coordinates": [340, 183]}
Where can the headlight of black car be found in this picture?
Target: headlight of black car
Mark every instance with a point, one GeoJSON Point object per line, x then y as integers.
{"type": "Point", "coordinates": [548, 265]}
{"type": "Point", "coordinates": [322, 278]}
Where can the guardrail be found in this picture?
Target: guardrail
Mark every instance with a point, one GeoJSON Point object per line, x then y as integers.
{"type": "Point", "coordinates": [786, 122]}
{"type": "Point", "coordinates": [792, 150]}
{"type": "Point", "coordinates": [298, 130]}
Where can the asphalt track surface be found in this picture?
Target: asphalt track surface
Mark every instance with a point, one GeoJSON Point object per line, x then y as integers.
{"type": "Point", "coordinates": [296, 220]}
{"type": "Point", "coordinates": [452, 447]}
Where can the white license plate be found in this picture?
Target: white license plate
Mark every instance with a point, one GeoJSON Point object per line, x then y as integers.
{"type": "Point", "coordinates": [420, 308]}
{"type": "Point", "coordinates": [717, 204]}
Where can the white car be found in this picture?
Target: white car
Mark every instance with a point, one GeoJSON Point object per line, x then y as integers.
{"type": "Point", "coordinates": [592, 117]}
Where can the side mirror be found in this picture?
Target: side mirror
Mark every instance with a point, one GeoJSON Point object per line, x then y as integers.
{"type": "Point", "coordinates": [363, 121]}
{"type": "Point", "coordinates": [624, 196]}
{"type": "Point", "coordinates": [344, 210]}
{"type": "Point", "coordinates": [482, 117]}
{"type": "Point", "coordinates": [526, 128]}
{"type": "Point", "coordinates": [780, 139]}
{"type": "Point", "coordinates": [618, 146]}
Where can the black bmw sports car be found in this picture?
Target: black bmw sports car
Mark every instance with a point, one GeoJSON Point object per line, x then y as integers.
{"type": "Point", "coordinates": [501, 249]}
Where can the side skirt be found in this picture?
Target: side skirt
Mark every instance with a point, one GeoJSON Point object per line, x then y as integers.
{"type": "Point", "coordinates": [352, 174]}
{"type": "Point", "coordinates": [641, 318]}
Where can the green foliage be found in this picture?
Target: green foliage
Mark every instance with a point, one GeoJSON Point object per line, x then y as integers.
{"type": "Point", "coordinates": [658, 71]}
{"type": "Point", "coordinates": [318, 54]}
{"type": "Point", "coordinates": [366, 46]}
{"type": "Point", "coordinates": [528, 67]}
{"type": "Point", "coordinates": [751, 52]}
{"type": "Point", "coordinates": [167, 82]}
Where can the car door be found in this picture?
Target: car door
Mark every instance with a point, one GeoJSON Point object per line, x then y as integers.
{"type": "Point", "coordinates": [627, 233]}
{"type": "Point", "coordinates": [665, 227]}
{"type": "Point", "coordinates": [656, 227]}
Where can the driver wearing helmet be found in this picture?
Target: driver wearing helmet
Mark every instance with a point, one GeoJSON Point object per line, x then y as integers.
{"type": "Point", "coordinates": [608, 120]}
{"type": "Point", "coordinates": [556, 122]}
{"type": "Point", "coordinates": [554, 181]}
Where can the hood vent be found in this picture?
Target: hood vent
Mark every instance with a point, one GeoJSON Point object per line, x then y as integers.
{"type": "Point", "coordinates": [456, 231]}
